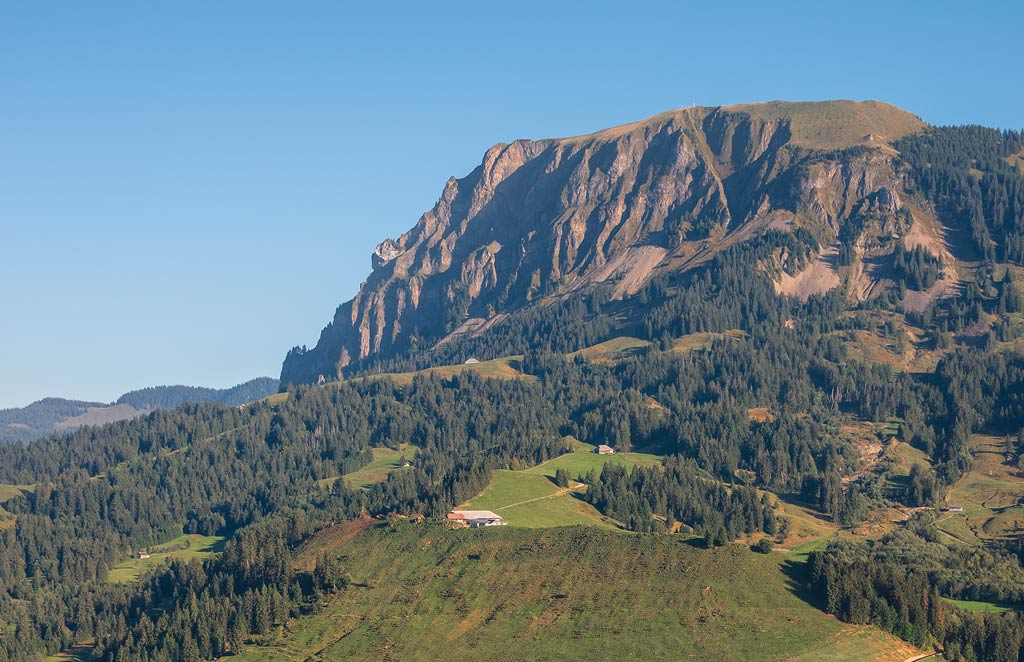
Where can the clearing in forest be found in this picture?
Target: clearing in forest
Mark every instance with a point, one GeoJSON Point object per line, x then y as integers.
{"type": "Point", "coordinates": [703, 340]}
{"type": "Point", "coordinates": [385, 460]}
{"type": "Point", "coordinates": [530, 498]}
{"type": "Point", "coordinates": [186, 547]}
{"type": "Point", "coordinates": [8, 492]}
{"type": "Point", "coordinates": [991, 493]}
{"type": "Point", "coordinates": [534, 501]}
{"type": "Point", "coordinates": [611, 351]}
{"type": "Point", "coordinates": [980, 607]}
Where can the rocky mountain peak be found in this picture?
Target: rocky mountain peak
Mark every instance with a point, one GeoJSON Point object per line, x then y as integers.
{"type": "Point", "coordinates": [549, 218]}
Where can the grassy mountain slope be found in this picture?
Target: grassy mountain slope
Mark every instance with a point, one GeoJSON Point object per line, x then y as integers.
{"type": "Point", "coordinates": [837, 124]}
{"type": "Point", "coordinates": [423, 592]}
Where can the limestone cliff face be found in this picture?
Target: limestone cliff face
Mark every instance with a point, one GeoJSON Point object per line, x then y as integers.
{"type": "Point", "coordinates": [548, 218]}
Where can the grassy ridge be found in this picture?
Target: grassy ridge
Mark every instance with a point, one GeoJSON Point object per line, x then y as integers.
{"type": "Point", "coordinates": [424, 592]}
{"type": "Point", "coordinates": [837, 124]}
{"type": "Point", "coordinates": [503, 368]}
{"type": "Point", "coordinates": [509, 367]}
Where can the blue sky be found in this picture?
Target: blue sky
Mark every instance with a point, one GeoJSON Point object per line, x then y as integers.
{"type": "Point", "coordinates": [189, 189]}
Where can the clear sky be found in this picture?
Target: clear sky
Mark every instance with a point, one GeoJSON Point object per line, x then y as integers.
{"type": "Point", "coordinates": [188, 189]}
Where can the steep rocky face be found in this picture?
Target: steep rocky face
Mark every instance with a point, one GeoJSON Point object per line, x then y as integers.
{"type": "Point", "coordinates": [548, 218]}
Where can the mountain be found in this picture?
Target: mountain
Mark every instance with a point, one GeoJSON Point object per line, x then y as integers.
{"type": "Point", "coordinates": [49, 415]}
{"type": "Point", "coordinates": [543, 220]}
{"type": "Point", "coordinates": [40, 418]}
{"type": "Point", "coordinates": [798, 327]}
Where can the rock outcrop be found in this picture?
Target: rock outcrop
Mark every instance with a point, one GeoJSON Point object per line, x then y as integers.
{"type": "Point", "coordinates": [548, 218]}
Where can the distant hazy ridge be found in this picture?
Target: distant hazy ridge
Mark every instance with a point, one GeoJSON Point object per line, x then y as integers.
{"type": "Point", "coordinates": [49, 415]}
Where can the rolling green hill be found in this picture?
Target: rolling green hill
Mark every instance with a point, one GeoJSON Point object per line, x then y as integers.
{"type": "Point", "coordinates": [424, 592]}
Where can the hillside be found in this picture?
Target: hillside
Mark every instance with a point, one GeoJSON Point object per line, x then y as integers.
{"type": "Point", "coordinates": [546, 219]}
{"type": "Point", "coordinates": [40, 418]}
{"type": "Point", "coordinates": [478, 435]}
{"type": "Point", "coordinates": [421, 592]}
{"type": "Point", "coordinates": [49, 415]}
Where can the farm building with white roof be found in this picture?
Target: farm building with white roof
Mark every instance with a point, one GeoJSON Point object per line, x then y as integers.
{"type": "Point", "coordinates": [475, 518]}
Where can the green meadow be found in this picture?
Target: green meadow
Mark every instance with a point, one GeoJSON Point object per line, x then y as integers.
{"type": "Point", "coordinates": [385, 460]}
{"type": "Point", "coordinates": [8, 492]}
{"type": "Point", "coordinates": [984, 607]}
{"type": "Point", "coordinates": [578, 463]}
{"type": "Point", "coordinates": [426, 592]}
{"type": "Point", "coordinates": [530, 498]}
{"type": "Point", "coordinates": [186, 547]}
